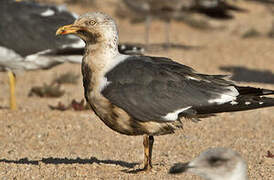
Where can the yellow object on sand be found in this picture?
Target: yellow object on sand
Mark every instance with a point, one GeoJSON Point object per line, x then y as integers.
{"type": "Point", "coordinates": [12, 90]}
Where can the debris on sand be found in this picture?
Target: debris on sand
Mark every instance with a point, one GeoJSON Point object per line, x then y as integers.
{"type": "Point", "coordinates": [269, 155]}
{"type": "Point", "coordinates": [271, 31]}
{"type": "Point", "coordinates": [251, 33]}
{"type": "Point", "coordinates": [75, 105]}
{"type": "Point", "coordinates": [47, 90]}
{"type": "Point", "coordinates": [66, 78]}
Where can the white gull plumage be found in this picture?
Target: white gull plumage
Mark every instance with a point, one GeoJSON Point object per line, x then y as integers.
{"type": "Point", "coordinates": [215, 164]}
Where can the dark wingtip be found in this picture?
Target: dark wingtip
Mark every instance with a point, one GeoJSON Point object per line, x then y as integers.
{"type": "Point", "coordinates": [178, 168]}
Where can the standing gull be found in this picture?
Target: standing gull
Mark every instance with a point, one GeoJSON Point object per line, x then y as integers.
{"type": "Point", "coordinates": [215, 164]}
{"type": "Point", "coordinates": [167, 10]}
{"type": "Point", "coordinates": [28, 42]}
{"type": "Point", "coordinates": [161, 9]}
{"type": "Point", "coordinates": [143, 95]}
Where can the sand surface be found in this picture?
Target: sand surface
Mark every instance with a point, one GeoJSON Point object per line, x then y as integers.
{"type": "Point", "coordinates": [39, 143]}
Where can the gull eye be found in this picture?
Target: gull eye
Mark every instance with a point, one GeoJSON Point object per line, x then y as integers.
{"type": "Point", "coordinates": [91, 22]}
{"type": "Point", "coordinates": [216, 161]}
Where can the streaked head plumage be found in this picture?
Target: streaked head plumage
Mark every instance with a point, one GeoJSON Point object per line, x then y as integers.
{"type": "Point", "coordinates": [92, 27]}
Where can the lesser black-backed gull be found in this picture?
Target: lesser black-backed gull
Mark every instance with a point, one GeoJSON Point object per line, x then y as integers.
{"type": "Point", "coordinates": [143, 95]}
{"type": "Point", "coordinates": [215, 164]}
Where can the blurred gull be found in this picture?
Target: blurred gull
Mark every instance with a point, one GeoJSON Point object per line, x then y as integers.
{"type": "Point", "coordinates": [166, 10]}
{"type": "Point", "coordinates": [215, 164]}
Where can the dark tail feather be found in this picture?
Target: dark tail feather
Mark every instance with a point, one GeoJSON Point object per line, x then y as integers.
{"type": "Point", "coordinates": [240, 104]}
{"type": "Point", "coordinates": [219, 10]}
{"type": "Point", "coordinates": [251, 91]}
{"type": "Point", "coordinates": [248, 99]}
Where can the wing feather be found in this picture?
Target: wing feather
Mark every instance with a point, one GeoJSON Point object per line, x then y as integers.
{"type": "Point", "coordinates": [149, 88]}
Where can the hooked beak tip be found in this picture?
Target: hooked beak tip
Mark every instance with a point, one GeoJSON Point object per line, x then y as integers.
{"type": "Point", "coordinates": [68, 29]}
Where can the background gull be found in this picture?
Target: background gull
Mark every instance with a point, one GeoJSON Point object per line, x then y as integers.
{"type": "Point", "coordinates": [215, 164]}
{"type": "Point", "coordinates": [144, 95]}
{"type": "Point", "coordinates": [180, 10]}
{"type": "Point", "coordinates": [28, 42]}
{"type": "Point", "coordinates": [161, 9]}
{"type": "Point", "coordinates": [263, 1]}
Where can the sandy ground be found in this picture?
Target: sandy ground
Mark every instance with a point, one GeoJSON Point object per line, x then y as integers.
{"type": "Point", "coordinates": [39, 143]}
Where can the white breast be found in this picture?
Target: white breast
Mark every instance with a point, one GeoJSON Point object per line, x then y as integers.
{"type": "Point", "coordinates": [109, 65]}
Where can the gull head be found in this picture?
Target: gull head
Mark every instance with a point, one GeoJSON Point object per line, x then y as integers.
{"type": "Point", "coordinates": [93, 28]}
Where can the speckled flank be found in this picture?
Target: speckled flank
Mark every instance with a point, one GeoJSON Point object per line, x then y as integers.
{"type": "Point", "coordinates": [87, 74]}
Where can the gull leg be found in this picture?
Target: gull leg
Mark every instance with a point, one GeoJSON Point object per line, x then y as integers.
{"type": "Point", "coordinates": [148, 145]}
{"type": "Point", "coordinates": [148, 22]}
{"type": "Point", "coordinates": [12, 90]}
{"type": "Point", "coordinates": [167, 29]}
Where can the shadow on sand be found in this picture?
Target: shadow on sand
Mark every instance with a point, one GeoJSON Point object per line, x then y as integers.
{"type": "Point", "coordinates": [243, 74]}
{"type": "Point", "coordinates": [70, 161]}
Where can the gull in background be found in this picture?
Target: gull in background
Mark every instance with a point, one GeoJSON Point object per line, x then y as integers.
{"type": "Point", "coordinates": [215, 164]}
{"type": "Point", "coordinates": [28, 41]}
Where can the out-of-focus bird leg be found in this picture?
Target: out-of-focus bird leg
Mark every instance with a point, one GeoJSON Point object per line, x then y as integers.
{"type": "Point", "coordinates": [167, 29]}
{"type": "Point", "coordinates": [12, 90]}
{"type": "Point", "coordinates": [148, 145]}
{"type": "Point", "coordinates": [148, 22]}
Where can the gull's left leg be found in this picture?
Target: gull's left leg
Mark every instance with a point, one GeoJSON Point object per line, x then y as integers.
{"type": "Point", "coordinates": [148, 145]}
{"type": "Point", "coordinates": [167, 30]}
{"type": "Point", "coordinates": [148, 23]}
{"type": "Point", "coordinates": [12, 90]}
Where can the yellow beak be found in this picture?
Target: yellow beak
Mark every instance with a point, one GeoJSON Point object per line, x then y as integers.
{"type": "Point", "coordinates": [68, 29]}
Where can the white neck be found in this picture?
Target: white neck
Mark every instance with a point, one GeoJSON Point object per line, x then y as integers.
{"type": "Point", "coordinates": [101, 60]}
{"type": "Point", "coordinates": [102, 57]}
{"type": "Point", "coordinates": [239, 173]}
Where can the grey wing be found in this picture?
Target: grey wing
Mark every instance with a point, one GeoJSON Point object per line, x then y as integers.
{"type": "Point", "coordinates": [28, 27]}
{"type": "Point", "coordinates": [158, 89]}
